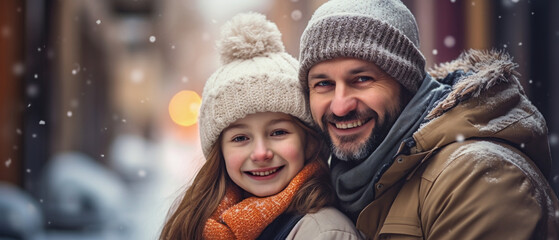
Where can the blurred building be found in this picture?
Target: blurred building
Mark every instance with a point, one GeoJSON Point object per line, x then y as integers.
{"type": "Point", "coordinates": [91, 81]}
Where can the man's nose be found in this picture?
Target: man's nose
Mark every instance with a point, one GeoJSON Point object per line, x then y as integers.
{"type": "Point", "coordinates": [343, 101]}
{"type": "Point", "coordinates": [261, 151]}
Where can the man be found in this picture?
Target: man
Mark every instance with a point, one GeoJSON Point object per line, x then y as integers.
{"type": "Point", "coordinates": [457, 153]}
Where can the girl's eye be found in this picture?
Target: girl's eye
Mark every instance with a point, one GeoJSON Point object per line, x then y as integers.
{"type": "Point", "coordinates": [239, 139]}
{"type": "Point", "coordinates": [279, 132]}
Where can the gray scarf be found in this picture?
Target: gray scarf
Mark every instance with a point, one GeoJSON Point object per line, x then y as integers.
{"type": "Point", "coordinates": [354, 182]}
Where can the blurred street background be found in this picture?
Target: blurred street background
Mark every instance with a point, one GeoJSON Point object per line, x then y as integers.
{"type": "Point", "coordinates": [99, 98]}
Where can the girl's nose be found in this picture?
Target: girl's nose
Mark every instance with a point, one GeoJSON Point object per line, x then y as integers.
{"type": "Point", "coordinates": [261, 152]}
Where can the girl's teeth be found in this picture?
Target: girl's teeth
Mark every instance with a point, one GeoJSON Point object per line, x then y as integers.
{"type": "Point", "coordinates": [266, 173]}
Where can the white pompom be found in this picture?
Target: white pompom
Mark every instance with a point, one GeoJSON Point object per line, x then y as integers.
{"type": "Point", "coordinates": [248, 35]}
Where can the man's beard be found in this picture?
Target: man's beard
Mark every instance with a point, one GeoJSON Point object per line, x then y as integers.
{"type": "Point", "coordinates": [347, 149]}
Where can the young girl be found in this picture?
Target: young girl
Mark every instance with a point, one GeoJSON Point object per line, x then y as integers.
{"type": "Point", "coordinates": [265, 174]}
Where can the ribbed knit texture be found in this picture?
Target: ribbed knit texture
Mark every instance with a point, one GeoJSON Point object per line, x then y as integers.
{"type": "Point", "coordinates": [381, 31]}
{"type": "Point", "coordinates": [257, 76]}
{"type": "Point", "coordinates": [237, 218]}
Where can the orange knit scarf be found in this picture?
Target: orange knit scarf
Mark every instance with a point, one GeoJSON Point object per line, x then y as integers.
{"type": "Point", "coordinates": [237, 218]}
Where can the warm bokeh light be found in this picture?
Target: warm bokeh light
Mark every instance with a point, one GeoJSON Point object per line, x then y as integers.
{"type": "Point", "coordinates": [184, 108]}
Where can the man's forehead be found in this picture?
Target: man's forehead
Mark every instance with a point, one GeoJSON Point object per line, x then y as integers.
{"type": "Point", "coordinates": [342, 65]}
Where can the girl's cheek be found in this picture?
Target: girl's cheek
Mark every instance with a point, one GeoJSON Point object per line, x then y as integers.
{"type": "Point", "coordinates": [295, 152]}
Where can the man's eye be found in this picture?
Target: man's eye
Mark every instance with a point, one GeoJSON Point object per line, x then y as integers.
{"type": "Point", "coordinates": [364, 79]}
{"type": "Point", "coordinates": [239, 139]}
{"type": "Point", "coordinates": [323, 84]}
{"type": "Point", "coordinates": [279, 132]}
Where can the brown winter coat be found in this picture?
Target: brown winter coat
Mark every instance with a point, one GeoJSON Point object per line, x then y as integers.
{"type": "Point", "coordinates": [476, 171]}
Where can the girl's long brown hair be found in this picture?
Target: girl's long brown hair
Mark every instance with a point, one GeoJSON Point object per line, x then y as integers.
{"type": "Point", "coordinates": [187, 219]}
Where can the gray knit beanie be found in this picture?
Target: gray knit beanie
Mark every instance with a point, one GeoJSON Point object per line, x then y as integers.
{"type": "Point", "coordinates": [380, 31]}
{"type": "Point", "coordinates": [257, 76]}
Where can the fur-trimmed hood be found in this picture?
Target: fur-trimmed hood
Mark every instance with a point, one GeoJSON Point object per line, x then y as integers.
{"type": "Point", "coordinates": [486, 102]}
{"type": "Point", "coordinates": [488, 69]}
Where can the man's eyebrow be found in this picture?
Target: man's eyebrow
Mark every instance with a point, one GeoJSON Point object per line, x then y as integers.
{"type": "Point", "coordinates": [359, 70]}
{"type": "Point", "coordinates": [354, 71]}
{"type": "Point", "coordinates": [318, 75]}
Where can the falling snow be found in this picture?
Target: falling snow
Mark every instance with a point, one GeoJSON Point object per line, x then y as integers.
{"type": "Point", "coordinates": [152, 39]}
{"type": "Point", "coordinates": [8, 162]}
{"type": "Point", "coordinates": [42, 122]}
{"type": "Point", "coordinates": [69, 113]}
{"type": "Point", "coordinates": [296, 15]}
{"type": "Point", "coordinates": [137, 75]}
{"type": "Point", "coordinates": [18, 69]}
{"type": "Point", "coordinates": [460, 138]}
{"type": "Point", "coordinates": [32, 90]}
{"type": "Point", "coordinates": [435, 52]}
{"type": "Point", "coordinates": [98, 21]}
{"type": "Point", "coordinates": [509, 3]}
{"type": "Point", "coordinates": [449, 41]}
{"type": "Point", "coordinates": [76, 69]}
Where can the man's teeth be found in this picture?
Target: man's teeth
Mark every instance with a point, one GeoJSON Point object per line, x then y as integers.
{"type": "Point", "coordinates": [265, 173]}
{"type": "Point", "coordinates": [349, 125]}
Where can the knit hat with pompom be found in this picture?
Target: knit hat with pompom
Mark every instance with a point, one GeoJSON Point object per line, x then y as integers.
{"type": "Point", "coordinates": [257, 76]}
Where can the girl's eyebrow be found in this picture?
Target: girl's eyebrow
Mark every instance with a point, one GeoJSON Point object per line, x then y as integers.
{"type": "Point", "coordinates": [235, 125]}
{"type": "Point", "coordinates": [243, 126]}
{"type": "Point", "coordinates": [279, 120]}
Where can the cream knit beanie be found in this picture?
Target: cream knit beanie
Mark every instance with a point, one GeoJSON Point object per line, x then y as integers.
{"type": "Point", "coordinates": [380, 31]}
{"type": "Point", "coordinates": [257, 76]}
